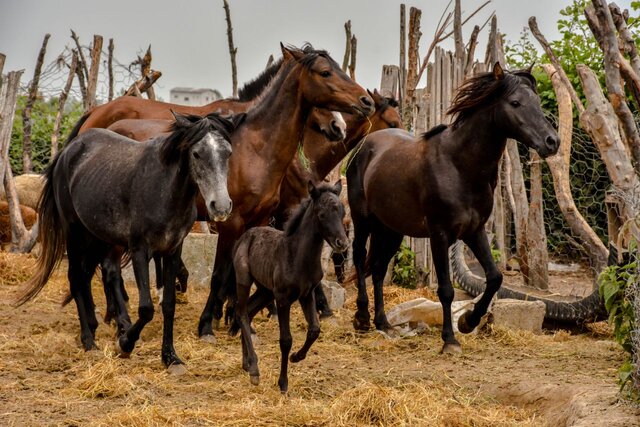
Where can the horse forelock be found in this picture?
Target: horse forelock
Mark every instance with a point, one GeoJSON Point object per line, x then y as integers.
{"type": "Point", "coordinates": [483, 90]}
{"type": "Point", "coordinates": [310, 55]}
{"type": "Point", "coordinates": [182, 138]}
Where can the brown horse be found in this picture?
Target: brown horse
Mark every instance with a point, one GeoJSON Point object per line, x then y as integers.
{"type": "Point", "coordinates": [264, 146]}
{"type": "Point", "coordinates": [441, 186]}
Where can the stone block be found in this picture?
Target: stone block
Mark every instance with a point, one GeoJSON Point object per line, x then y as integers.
{"type": "Point", "coordinates": [516, 314]}
{"type": "Point", "coordinates": [198, 254]}
{"type": "Point", "coordinates": [335, 294]}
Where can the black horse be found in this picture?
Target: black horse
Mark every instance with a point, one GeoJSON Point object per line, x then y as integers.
{"type": "Point", "coordinates": [286, 265]}
{"type": "Point", "coordinates": [105, 192]}
{"type": "Point", "coordinates": [441, 186]}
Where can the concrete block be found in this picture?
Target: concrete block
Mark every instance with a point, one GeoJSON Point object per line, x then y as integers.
{"type": "Point", "coordinates": [516, 314]}
{"type": "Point", "coordinates": [335, 294]}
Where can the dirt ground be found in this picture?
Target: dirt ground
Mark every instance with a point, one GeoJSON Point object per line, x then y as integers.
{"type": "Point", "coordinates": [503, 378]}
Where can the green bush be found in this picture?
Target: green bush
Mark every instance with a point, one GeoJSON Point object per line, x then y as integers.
{"type": "Point", "coordinates": [615, 285]}
{"type": "Point", "coordinates": [405, 273]}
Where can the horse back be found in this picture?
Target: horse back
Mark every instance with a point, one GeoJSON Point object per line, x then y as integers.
{"type": "Point", "coordinates": [257, 257]}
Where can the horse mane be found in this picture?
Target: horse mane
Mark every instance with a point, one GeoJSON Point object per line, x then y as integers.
{"type": "Point", "coordinates": [182, 137]}
{"type": "Point", "coordinates": [433, 132]}
{"type": "Point", "coordinates": [389, 101]}
{"type": "Point", "coordinates": [293, 223]}
{"type": "Point", "coordinates": [310, 54]}
{"type": "Point", "coordinates": [255, 87]}
{"type": "Point", "coordinates": [483, 90]}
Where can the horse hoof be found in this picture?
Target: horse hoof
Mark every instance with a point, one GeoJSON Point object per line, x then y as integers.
{"type": "Point", "coordinates": [208, 338]}
{"type": "Point", "coordinates": [181, 298]}
{"type": "Point", "coordinates": [326, 314]}
{"type": "Point", "coordinates": [451, 348]}
{"type": "Point", "coordinates": [121, 353]}
{"type": "Point", "coordinates": [361, 325]}
{"type": "Point", "coordinates": [255, 379]}
{"type": "Point", "coordinates": [463, 323]}
{"type": "Point", "coordinates": [255, 340]}
{"type": "Point", "coordinates": [177, 369]}
{"type": "Point", "coordinates": [295, 358]}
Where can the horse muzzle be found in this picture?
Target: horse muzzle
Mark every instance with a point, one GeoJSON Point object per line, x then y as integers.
{"type": "Point", "coordinates": [220, 213]}
{"type": "Point", "coordinates": [340, 245]}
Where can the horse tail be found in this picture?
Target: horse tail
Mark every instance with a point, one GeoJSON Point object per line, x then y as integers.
{"type": "Point", "coordinates": [52, 238]}
{"type": "Point", "coordinates": [76, 129]}
{"type": "Point", "coordinates": [353, 276]}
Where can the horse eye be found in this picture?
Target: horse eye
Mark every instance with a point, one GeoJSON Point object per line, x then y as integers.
{"type": "Point", "coordinates": [196, 155]}
{"type": "Point", "coordinates": [325, 73]}
{"type": "Point", "coordinates": [515, 103]}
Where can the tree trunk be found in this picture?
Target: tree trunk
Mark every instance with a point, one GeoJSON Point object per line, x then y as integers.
{"type": "Point", "coordinates": [26, 113]}
{"type": "Point", "coordinates": [61, 103]}
{"type": "Point", "coordinates": [559, 167]}
{"type": "Point", "coordinates": [352, 62]}
{"type": "Point", "coordinates": [22, 240]}
{"type": "Point", "coordinates": [538, 256]}
{"type": "Point", "coordinates": [414, 40]}
{"type": "Point", "coordinates": [457, 32]}
{"type": "Point", "coordinates": [232, 49]}
{"type": "Point", "coordinates": [92, 83]}
{"type": "Point", "coordinates": [402, 65]}
{"type": "Point", "coordinates": [347, 46]}
{"type": "Point", "coordinates": [110, 69]}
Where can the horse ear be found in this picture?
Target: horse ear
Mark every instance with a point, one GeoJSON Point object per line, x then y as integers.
{"type": "Point", "coordinates": [337, 187]}
{"type": "Point", "coordinates": [237, 119]}
{"type": "Point", "coordinates": [286, 53]}
{"type": "Point", "coordinates": [181, 120]}
{"type": "Point", "coordinates": [531, 67]}
{"type": "Point", "coordinates": [313, 190]}
{"type": "Point", "coordinates": [498, 72]}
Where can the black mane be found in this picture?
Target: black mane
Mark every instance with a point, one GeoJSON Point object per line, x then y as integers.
{"type": "Point", "coordinates": [254, 87]}
{"type": "Point", "coordinates": [183, 137]}
{"type": "Point", "coordinates": [433, 131]}
{"type": "Point", "coordinates": [293, 223]}
{"type": "Point", "coordinates": [483, 90]}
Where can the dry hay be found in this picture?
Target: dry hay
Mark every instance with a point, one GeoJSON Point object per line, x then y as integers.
{"type": "Point", "coordinates": [347, 379]}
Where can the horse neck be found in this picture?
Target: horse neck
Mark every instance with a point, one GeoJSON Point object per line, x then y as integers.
{"type": "Point", "coordinates": [176, 176]}
{"type": "Point", "coordinates": [326, 156]}
{"type": "Point", "coordinates": [279, 115]}
{"type": "Point", "coordinates": [305, 243]}
{"type": "Point", "coordinates": [476, 146]}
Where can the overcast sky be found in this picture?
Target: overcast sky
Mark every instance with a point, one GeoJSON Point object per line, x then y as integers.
{"type": "Point", "coordinates": [189, 41]}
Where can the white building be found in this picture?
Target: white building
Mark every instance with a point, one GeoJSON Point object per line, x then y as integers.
{"type": "Point", "coordinates": [192, 96]}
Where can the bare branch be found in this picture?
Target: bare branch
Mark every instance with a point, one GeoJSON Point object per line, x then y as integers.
{"type": "Point", "coordinates": [232, 50]}
{"type": "Point", "coordinates": [347, 47]}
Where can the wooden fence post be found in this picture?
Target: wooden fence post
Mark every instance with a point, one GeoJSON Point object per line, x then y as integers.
{"type": "Point", "coordinates": [92, 83]}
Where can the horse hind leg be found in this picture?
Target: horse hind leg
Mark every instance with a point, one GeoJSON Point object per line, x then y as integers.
{"type": "Point", "coordinates": [284, 309]}
{"type": "Point", "coordinates": [384, 245]}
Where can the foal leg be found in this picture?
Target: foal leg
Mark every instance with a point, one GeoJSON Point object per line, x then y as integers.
{"type": "Point", "coordinates": [383, 246]}
{"type": "Point", "coordinates": [313, 332]}
{"type": "Point", "coordinates": [170, 265]}
{"type": "Point", "coordinates": [249, 356]}
{"type": "Point", "coordinates": [112, 278]}
{"type": "Point", "coordinates": [284, 308]}
{"type": "Point", "coordinates": [362, 318]}
{"type": "Point", "coordinates": [157, 262]}
{"type": "Point", "coordinates": [479, 244]}
{"type": "Point", "coordinates": [183, 278]}
{"type": "Point", "coordinates": [127, 341]}
{"type": "Point", "coordinates": [322, 305]}
{"type": "Point", "coordinates": [440, 250]}
{"type": "Point", "coordinates": [339, 261]}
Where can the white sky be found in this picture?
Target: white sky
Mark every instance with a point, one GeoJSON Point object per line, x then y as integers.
{"type": "Point", "coordinates": [189, 42]}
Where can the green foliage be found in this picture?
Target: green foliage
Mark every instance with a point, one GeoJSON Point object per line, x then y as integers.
{"type": "Point", "coordinates": [615, 282]}
{"type": "Point", "coordinates": [496, 254]}
{"type": "Point", "coordinates": [405, 273]}
{"type": "Point", "coordinates": [43, 116]}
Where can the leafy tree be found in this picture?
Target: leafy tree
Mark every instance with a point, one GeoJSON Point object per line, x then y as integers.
{"type": "Point", "coordinates": [43, 117]}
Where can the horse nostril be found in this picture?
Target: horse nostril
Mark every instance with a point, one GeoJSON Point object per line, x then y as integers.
{"type": "Point", "coordinates": [334, 127]}
{"type": "Point", "coordinates": [552, 141]}
{"type": "Point", "coordinates": [366, 102]}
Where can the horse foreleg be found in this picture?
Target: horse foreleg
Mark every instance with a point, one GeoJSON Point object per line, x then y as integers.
{"type": "Point", "coordinates": [127, 341]}
{"type": "Point", "coordinates": [170, 266]}
{"type": "Point", "coordinates": [383, 246]}
{"type": "Point", "coordinates": [322, 305]}
{"type": "Point", "coordinates": [112, 281]}
{"type": "Point", "coordinates": [440, 249]}
{"type": "Point", "coordinates": [362, 318]}
{"type": "Point", "coordinates": [479, 245]}
{"type": "Point", "coordinates": [308, 305]}
{"type": "Point", "coordinates": [284, 308]}
{"type": "Point", "coordinates": [215, 301]}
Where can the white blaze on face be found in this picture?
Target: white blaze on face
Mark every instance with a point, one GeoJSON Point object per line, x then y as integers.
{"type": "Point", "coordinates": [339, 120]}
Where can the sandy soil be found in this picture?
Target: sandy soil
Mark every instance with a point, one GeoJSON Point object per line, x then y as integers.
{"type": "Point", "coordinates": [503, 377]}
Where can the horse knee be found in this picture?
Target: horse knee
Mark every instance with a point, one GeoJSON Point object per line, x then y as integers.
{"type": "Point", "coordinates": [286, 343]}
{"type": "Point", "coordinates": [313, 333]}
{"type": "Point", "coordinates": [494, 280]}
{"type": "Point", "coordinates": [446, 294]}
{"type": "Point", "coordinates": [145, 313]}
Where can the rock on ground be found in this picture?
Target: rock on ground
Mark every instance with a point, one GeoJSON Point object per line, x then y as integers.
{"type": "Point", "coordinates": [516, 314]}
{"type": "Point", "coordinates": [335, 294]}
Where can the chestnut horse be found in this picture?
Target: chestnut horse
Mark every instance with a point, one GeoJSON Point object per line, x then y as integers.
{"type": "Point", "coordinates": [264, 146]}
{"type": "Point", "coordinates": [442, 185]}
